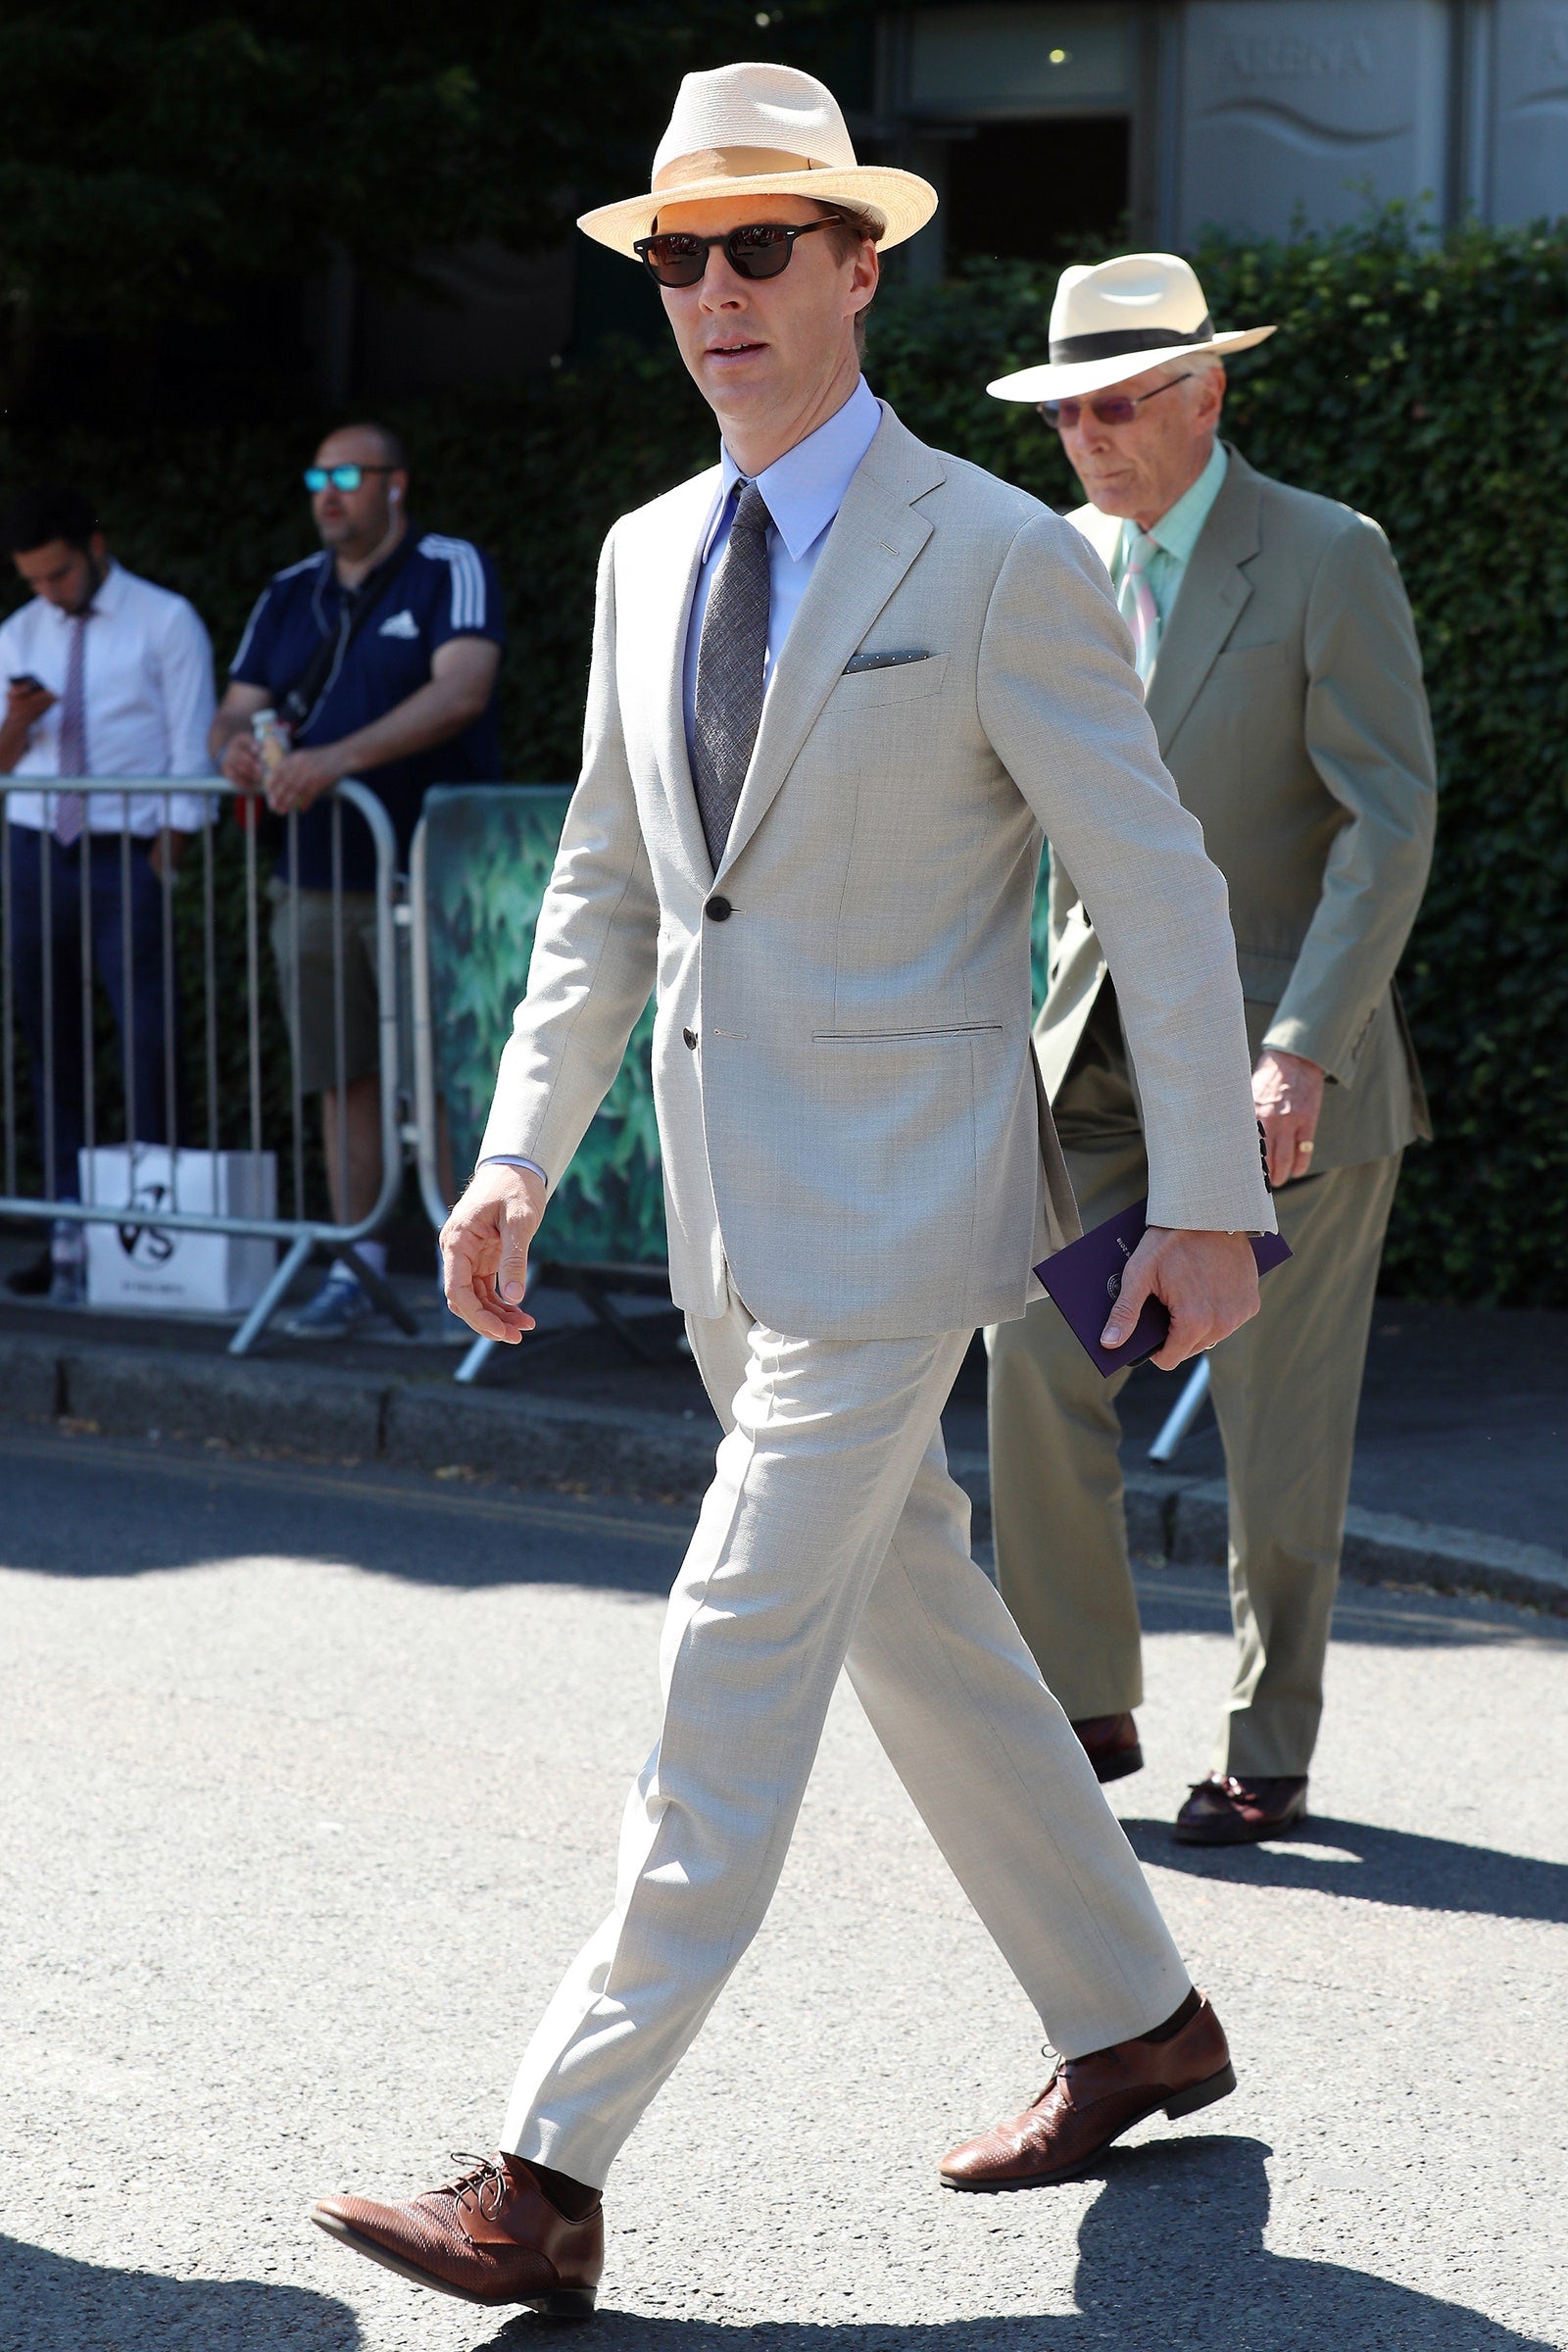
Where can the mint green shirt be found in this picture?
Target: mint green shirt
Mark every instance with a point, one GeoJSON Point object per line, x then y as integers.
{"type": "Point", "coordinates": [1175, 535]}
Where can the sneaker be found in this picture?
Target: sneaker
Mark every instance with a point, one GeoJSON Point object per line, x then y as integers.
{"type": "Point", "coordinates": [339, 1307]}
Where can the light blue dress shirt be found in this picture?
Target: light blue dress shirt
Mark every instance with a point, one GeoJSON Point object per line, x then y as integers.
{"type": "Point", "coordinates": [1175, 535]}
{"type": "Point", "coordinates": [803, 490]}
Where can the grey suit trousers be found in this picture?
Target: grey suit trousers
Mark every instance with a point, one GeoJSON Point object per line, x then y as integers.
{"type": "Point", "coordinates": [1285, 1388]}
{"type": "Point", "coordinates": [832, 1535]}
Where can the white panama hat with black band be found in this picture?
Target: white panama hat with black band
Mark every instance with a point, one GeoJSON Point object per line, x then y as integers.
{"type": "Point", "coordinates": [1116, 319]}
{"type": "Point", "coordinates": [763, 130]}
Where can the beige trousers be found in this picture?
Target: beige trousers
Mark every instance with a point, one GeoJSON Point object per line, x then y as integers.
{"type": "Point", "coordinates": [1285, 1388]}
{"type": "Point", "coordinates": [833, 1535]}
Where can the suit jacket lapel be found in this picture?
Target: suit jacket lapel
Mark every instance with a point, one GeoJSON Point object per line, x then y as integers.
{"type": "Point", "coordinates": [667, 582]}
{"type": "Point", "coordinates": [1213, 595]}
{"type": "Point", "coordinates": [875, 539]}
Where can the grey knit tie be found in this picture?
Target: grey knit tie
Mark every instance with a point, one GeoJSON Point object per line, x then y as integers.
{"type": "Point", "coordinates": [731, 663]}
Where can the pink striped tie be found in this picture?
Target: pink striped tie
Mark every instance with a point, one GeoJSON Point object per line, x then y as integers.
{"type": "Point", "coordinates": [1136, 602]}
{"type": "Point", "coordinates": [70, 808]}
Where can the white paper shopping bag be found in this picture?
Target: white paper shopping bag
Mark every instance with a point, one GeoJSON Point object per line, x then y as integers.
{"type": "Point", "coordinates": [151, 1266]}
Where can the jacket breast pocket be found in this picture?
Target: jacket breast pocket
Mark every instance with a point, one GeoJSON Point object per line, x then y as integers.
{"type": "Point", "coordinates": [1251, 662]}
{"type": "Point", "coordinates": [879, 689]}
{"type": "Point", "coordinates": [947, 1034]}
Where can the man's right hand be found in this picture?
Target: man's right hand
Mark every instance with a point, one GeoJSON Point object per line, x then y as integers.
{"type": "Point", "coordinates": [26, 701]}
{"type": "Point", "coordinates": [242, 761]}
{"type": "Point", "coordinates": [484, 1250]}
{"type": "Point", "coordinates": [25, 706]}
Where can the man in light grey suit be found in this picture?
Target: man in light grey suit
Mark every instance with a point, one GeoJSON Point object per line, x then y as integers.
{"type": "Point", "coordinates": [839, 684]}
{"type": "Point", "coordinates": [1284, 679]}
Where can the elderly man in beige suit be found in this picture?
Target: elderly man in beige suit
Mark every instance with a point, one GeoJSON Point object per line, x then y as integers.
{"type": "Point", "coordinates": [839, 683]}
{"type": "Point", "coordinates": [1282, 676]}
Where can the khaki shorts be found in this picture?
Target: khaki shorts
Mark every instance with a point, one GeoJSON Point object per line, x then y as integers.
{"type": "Point", "coordinates": [316, 1045]}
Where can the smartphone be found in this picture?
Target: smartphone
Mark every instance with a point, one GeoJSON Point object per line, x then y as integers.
{"type": "Point", "coordinates": [32, 684]}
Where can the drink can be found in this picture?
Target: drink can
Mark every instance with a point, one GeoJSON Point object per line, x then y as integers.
{"type": "Point", "coordinates": [271, 741]}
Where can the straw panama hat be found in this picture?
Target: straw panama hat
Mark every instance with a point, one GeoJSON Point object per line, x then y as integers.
{"type": "Point", "coordinates": [1116, 319]}
{"type": "Point", "coordinates": [763, 130]}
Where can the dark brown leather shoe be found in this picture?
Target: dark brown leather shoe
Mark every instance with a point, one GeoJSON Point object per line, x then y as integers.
{"type": "Point", "coordinates": [1093, 2100]}
{"type": "Point", "coordinates": [1224, 1810]}
{"type": "Point", "coordinates": [490, 2236]}
{"type": "Point", "coordinates": [1110, 1743]}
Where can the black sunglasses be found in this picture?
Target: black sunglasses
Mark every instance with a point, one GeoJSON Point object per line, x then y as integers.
{"type": "Point", "coordinates": [762, 249]}
{"type": "Point", "coordinates": [1118, 409]}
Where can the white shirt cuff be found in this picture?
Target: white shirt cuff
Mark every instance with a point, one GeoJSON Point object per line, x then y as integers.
{"type": "Point", "coordinates": [515, 1159]}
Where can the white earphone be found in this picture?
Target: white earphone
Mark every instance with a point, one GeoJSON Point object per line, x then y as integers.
{"type": "Point", "coordinates": [394, 494]}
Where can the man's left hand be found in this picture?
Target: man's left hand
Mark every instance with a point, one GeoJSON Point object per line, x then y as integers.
{"type": "Point", "coordinates": [166, 853]}
{"type": "Point", "coordinates": [1207, 1280]}
{"type": "Point", "coordinates": [1288, 1097]}
{"type": "Point", "coordinates": [301, 778]}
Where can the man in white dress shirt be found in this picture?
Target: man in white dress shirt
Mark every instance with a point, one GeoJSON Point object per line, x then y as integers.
{"type": "Point", "coordinates": [106, 677]}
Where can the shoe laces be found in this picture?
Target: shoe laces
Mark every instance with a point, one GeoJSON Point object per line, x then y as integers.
{"type": "Point", "coordinates": [484, 2177]}
{"type": "Point", "coordinates": [1055, 2061]}
{"type": "Point", "coordinates": [1225, 1785]}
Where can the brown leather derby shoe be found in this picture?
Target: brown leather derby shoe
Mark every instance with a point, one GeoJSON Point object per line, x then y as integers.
{"type": "Point", "coordinates": [1110, 1743]}
{"type": "Point", "coordinates": [1225, 1810]}
{"type": "Point", "coordinates": [1091, 2101]}
{"type": "Point", "coordinates": [490, 2236]}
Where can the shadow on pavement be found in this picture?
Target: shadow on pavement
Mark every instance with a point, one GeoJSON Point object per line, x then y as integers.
{"type": "Point", "coordinates": [90, 1507]}
{"type": "Point", "coordinates": [1171, 2253]}
{"type": "Point", "coordinates": [54, 2305]}
{"type": "Point", "coordinates": [1378, 1866]}
{"type": "Point", "coordinates": [1191, 1598]}
{"type": "Point", "coordinates": [99, 1506]}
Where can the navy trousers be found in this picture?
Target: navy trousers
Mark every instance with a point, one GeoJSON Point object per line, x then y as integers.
{"type": "Point", "coordinates": [58, 1068]}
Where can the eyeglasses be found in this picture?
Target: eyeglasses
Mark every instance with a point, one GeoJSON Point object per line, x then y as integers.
{"type": "Point", "coordinates": [341, 477]}
{"type": "Point", "coordinates": [762, 249]}
{"type": "Point", "coordinates": [1118, 410]}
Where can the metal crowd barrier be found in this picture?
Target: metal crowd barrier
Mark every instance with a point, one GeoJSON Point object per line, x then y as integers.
{"type": "Point", "coordinates": [300, 1233]}
{"type": "Point", "coordinates": [1178, 1422]}
{"type": "Point", "coordinates": [426, 1090]}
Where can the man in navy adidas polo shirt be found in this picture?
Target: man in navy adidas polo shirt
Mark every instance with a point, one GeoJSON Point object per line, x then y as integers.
{"type": "Point", "coordinates": [380, 653]}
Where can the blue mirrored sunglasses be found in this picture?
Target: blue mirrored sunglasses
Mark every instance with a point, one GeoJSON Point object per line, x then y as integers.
{"type": "Point", "coordinates": [341, 477]}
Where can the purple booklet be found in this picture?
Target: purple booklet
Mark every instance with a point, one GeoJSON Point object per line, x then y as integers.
{"type": "Point", "coordinates": [1085, 1276]}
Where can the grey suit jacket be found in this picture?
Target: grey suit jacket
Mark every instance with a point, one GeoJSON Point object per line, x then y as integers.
{"type": "Point", "coordinates": [1290, 707]}
{"type": "Point", "coordinates": [851, 1127]}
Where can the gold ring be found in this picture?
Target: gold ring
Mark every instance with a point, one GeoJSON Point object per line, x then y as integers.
{"type": "Point", "coordinates": [1306, 1151]}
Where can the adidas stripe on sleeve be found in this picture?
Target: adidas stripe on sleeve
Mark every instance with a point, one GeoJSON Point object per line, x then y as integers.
{"type": "Point", "coordinates": [468, 577]}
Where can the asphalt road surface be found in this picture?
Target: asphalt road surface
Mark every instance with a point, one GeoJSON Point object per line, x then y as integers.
{"type": "Point", "coordinates": [310, 1786]}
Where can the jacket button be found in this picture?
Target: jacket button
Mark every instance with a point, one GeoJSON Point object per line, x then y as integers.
{"type": "Point", "coordinates": [690, 1036]}
{"type": "Point", "coordinates": [718, 911]}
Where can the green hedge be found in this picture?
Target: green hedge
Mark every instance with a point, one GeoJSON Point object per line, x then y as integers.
{"type": "Point", "coordinates": [1415, 377]}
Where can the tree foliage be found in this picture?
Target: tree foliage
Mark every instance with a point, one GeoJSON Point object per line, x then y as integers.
{"type": "Point", "coordinates": [156, 154]}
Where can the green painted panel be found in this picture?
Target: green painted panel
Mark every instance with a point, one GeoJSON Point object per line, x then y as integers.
{"type": "Point", "coordinates": [489, 850]}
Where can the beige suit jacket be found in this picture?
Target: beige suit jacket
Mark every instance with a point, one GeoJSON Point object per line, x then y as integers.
{"type": "Point", "coordinates": [853, 1138]}
{"type": "Point", "coordinates": [1291, 712]}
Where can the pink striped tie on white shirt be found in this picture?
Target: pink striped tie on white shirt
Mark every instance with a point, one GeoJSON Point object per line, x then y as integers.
{"type": "Point", "coordinates": [70, 808]}
{"type": "Point", "coordinates": [1137, 600]}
